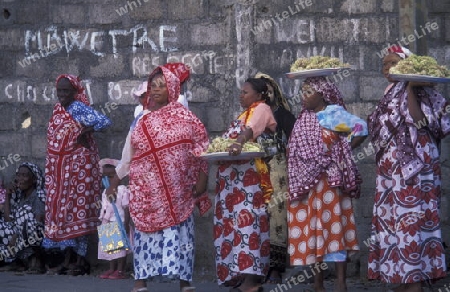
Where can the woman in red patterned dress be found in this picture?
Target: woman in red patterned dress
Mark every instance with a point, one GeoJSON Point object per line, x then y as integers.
{"type": "Point", "coordinates": [406, 129]}
{"type": "Point", "coordinates": [165, 172]}
{"type": "Point", "coordinates": [241, 222]}
{"type": "Point", "coordinates": [72, 177]}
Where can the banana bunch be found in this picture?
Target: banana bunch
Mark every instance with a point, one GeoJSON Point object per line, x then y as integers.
{"type": "Point", "coordinates": [316, 62]}
{"type": "Point", "coordinates": [220, 144]}
{"type": "Point", "coordinates": [421, 65]}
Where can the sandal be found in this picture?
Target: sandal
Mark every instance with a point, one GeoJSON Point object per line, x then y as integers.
{"type": "Point", "coordinates": [117, 275]}
{"type": "Point", "coordinates": [142, 289]}
{"type": "Point", "coordinates": [106, 274]}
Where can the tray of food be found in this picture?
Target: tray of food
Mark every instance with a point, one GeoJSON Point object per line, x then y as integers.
{"type": "Point", "coordinates": [218, 150]}
{"type": "Point", "coordinates": [420, 69]}
{"type": "Point", "coordinates": [316, 66]}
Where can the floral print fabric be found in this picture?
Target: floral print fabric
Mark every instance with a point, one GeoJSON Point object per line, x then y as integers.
{"type": "Point", "coordinates": [241, 222]}
{"type": "Point", "coordinates": [406, 242]}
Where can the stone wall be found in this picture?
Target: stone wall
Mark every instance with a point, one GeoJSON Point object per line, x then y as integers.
{"type": "Point", "coordinates": [113, 45]}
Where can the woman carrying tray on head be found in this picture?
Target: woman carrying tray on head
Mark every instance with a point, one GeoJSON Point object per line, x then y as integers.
{"type": "Point", "coordinates": [323, 179]}
{"type": "Point", "coordinates": [406, 129]}
{"type": "Point", "coordinates": [241, 223]}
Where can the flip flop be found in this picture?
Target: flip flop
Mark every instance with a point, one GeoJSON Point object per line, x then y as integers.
{"type": "Point", "coordinates": [142, 289]}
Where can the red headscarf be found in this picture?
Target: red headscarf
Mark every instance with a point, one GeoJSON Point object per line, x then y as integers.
{"type": "Point", "coordinates": [76, 83]}
{"type": "Point", "coordinates": [402, 52]}
{"type": "Point", "coordinates": [180, 70]}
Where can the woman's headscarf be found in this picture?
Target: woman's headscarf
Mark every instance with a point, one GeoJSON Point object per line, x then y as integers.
{"type": "Point", "coordinates": [306, 158]}
{"type": "Point", "coordinates": [327, 89]}
{"type": "Point", "coordinates": [40, 181]}
{"type": "Point", "coordinates": [76, 83]}
{"type": "Point", "coordinates": [181, 70]}
{"type": "Point", "coordinates": [279, 98]}
{"type": "Point", "coordinates": [402, 52]}
{"type": "Point", "coordinates": [172, 83]}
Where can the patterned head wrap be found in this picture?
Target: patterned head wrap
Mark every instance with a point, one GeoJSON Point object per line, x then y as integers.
{"type": "Point", "coordinates": [180, 70]}
{"type": "Point", "coordinates": [106, 161]}
{"type": "Point", "coordinates": [279, 98]}
{"type": "Point", "coordinates": [172, 83]}
{"type": "Point", "coordinates": [76, 83]}
{"type": "Point", "coordinates": [40, 181]}
{"type": "Point", "coordinates": [402, 52]}
{"type": "Point", "coordinates": [327, 89]}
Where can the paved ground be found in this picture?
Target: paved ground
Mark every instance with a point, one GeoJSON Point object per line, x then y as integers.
{"type": "Point", "coordinates": [12, 282]}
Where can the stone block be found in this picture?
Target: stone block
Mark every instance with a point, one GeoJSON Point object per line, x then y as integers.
{"type": "Point", "coordinates": [216, 120]}
{"type": "Point", "coordinates": [372, 87]}
{"type": "Point", "coordinates": [35, 12]}
{"type": "Point", "coordinates": [36, 66]}
{"type": "Point", "coordinates": [358, 6]}
{"type": "Point", "coordinates": [39, 145]}
{"type": "Point", "coordinates": [11, 39]}
{"type": "Point", "coordinates": [389, 6]}
{"type": "Point", "coordinates": [15, 143]}
{"type": "Point", "coordinates": [354, 30]}
{"type": "Point", "coordinates": [142, 9]}
{"type": "Point", "coordinates": [297, 31]}
{"type": "Point", "coordinates": [439, 6]}
{"type": "Point", "coordinates": [108, 67]}
{"type": "Point", "coordinates": [121, 91]}
{"type": "Point", "coordinates": [66, 65]}
{"type": "Point", "coordinates": [7, 64]}
{"type": "Point", "coordinates": [186, 9]}
{"type": "Point", "coordinates": [105, 14]}
{"type": "Point", "coordinates": [67, 14]}
{"type": "Point", "coordinates": [196, 60]}
{"type": "Point", "coordinates": [447, 27]}
{"type": "Point", "coordinates": [208, 34]}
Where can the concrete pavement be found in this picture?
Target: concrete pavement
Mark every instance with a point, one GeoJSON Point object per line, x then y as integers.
{"type": "Point", "coordinates": [22, 282]}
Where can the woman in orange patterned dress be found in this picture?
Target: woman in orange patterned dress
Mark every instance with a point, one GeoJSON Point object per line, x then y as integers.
{"type": "Point", "coordinates": [323, 178]}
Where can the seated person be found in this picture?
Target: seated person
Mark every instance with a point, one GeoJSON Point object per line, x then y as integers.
{"type": "Point", "coordinates": [22, 220]}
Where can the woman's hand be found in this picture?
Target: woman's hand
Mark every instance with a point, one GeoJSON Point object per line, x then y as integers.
{"type": "Point", "coordinates": [235, 149]}
{"type": "Point", "coordinates": [82, 139]}
{"type": "Point", "coordinates": [200, 187]}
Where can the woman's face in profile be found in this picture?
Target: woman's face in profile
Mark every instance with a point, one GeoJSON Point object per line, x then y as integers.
{"type": "Point", "coordinates": [389, 61]}
{"type": "Point", "coordinates": [25, 178]}
{"type": "Point", "coordinates": [248, 95]}
{"type": "Point", "coordinates": [312, 100]}
{"type": "Point", "coordinates": [65, 92]}
{"type": "Point", "coordinates": [158, 90]}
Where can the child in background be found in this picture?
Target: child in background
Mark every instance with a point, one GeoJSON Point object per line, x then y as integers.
{"type": "Point", "coordinates": [117, 261]}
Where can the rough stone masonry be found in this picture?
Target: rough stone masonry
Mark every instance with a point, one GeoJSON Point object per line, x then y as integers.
{"type": "Point", "coordinates": [113, 45]}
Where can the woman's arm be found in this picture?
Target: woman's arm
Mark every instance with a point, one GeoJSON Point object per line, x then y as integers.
{"type": "Point", "coordinates": [356, 141]}
{"type": "Point", "coordinates": [414, 104]}
{"type": "Point", "coordinates": [200, 186]}
{"type": "Point", "coordinates": [236, 147]}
